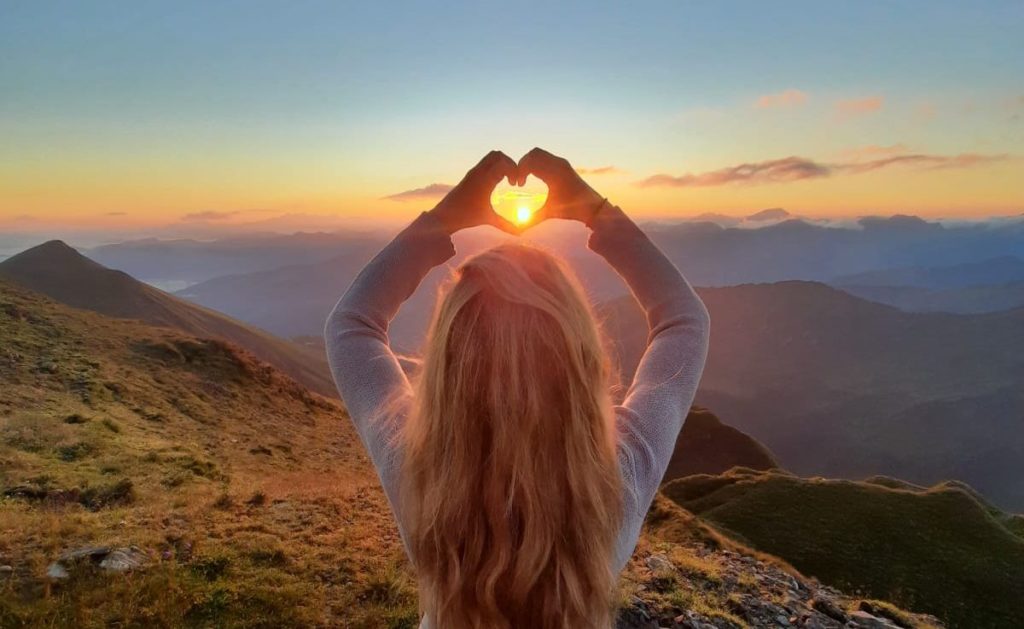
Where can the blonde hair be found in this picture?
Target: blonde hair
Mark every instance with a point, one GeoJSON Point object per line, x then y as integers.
{"type": "Point", "coordinates": [510, 490]}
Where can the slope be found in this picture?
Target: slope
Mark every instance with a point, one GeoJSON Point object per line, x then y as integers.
{"type": "Point", "coordinates": [58, 271]}
{"type": "Point", "coordinates": [246, 501]}
{"type": "Point", "coordinates": [938, 550]}
{"type": "Point", "coordinates": [706, 445]}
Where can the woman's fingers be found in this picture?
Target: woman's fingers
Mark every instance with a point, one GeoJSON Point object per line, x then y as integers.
{"type": "Point", "coordinates": [502, 166]}
{"type": "Point", "coordinates": [504, 224]}
{"type": "Point", "coordinates": [541, 164]}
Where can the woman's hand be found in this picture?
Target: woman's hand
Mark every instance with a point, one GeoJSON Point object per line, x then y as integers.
{"type": "Point", "coordinates": [568, 195]}
{"type": "Point", "coordinates": [469, 203]}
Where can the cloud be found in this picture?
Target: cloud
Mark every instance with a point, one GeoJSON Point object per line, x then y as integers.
{"type": "Point", "coordinates": [433, 191]}
{"type": "Point", "coordinates": [601, 170]}
{"type": "Point", "coordinates": [927, 162]}
{"type": "Point", "coordinates": [771, 171]}
{"type": "Point", "coordinates": [116, 214]}
{"type": "Point", "coordinates": [874, 151]}
{"type": "Point", "coordinates": [785, 98]}
{"type": "Point", "coordinates": [209, 215]}
{"type": "Point", "coordinates": [858, 106]}
{"type": "Point", "coordinates": [798, 168]}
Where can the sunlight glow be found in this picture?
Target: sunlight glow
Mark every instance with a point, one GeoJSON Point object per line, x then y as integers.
{"type": "Point", "coordinates": [523, 214]}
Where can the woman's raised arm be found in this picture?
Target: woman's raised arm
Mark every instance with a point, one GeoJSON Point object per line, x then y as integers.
{"type": "Point", "coordinates": [367, 373]}
{"type": "Point", "coordinates": [666, 379]}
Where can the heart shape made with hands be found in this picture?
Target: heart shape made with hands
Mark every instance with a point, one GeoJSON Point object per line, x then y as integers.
{"type": "Point", "coordinates": [519, 203]}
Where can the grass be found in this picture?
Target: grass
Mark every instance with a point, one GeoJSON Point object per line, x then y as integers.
{"type": "Point", "coordinates": [133, 435]}
{"type": "Point", "coordinates": [937, 551]}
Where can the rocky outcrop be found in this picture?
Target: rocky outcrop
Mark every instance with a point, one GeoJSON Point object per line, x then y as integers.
{"type": "Point", "coordinates": [702, 587]}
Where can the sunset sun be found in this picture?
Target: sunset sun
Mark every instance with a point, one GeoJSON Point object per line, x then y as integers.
{"type": "Point", "coordinates": [523, 214]}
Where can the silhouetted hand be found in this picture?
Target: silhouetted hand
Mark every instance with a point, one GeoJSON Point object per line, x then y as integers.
{"type": "Point", "coordinates": [568, 195]}
{"type": "Point", "coordinates": [469, 203]}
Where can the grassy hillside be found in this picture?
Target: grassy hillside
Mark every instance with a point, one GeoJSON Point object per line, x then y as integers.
{"type": "Point", "coordinates": [251, 496]}
{"type": "Point", "coordinates": [937, 550]}
{"type": "Point", "coordinates": [707, 446]}
{"type": "Point", "coordinates": [250, 499]}
{"type": "Point", "coordinates": [57, 270]}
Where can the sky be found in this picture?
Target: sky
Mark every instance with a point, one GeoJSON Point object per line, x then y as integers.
{"type": "Point", "coordinates": [302, 114]}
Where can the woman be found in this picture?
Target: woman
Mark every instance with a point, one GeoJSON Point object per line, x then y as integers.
{"type": "Point", "coordinates": [519, 489]}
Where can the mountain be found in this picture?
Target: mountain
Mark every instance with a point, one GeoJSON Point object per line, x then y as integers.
{"type": "Point", "coordinates": [966, 300]}
{"type": "Point", "coordinates": [60, 272]}
{"type": "Point", "coordinates": [938, 550]}
{"type": "Point", "coordinates": [150, 477]}
{"type": "Point", "coordinates": [771, 214]}
{"type": "Point", "coordinates": [189, 261]}
{"type": "Point", "coordinates": [708, 446]}
{"type": "Point", "coordinates": [991, 271]}
{"type": "Point", "coordinates": [839, 386]}
{"type": "Point", "coordinates": [990, 285]}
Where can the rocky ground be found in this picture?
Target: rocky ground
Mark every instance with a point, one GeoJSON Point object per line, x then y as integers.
{"type": "Point", "coordinates": [701, 587]}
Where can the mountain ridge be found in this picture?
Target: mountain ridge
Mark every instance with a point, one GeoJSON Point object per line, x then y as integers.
{"type": "Point", "coordinates": [59, 271]}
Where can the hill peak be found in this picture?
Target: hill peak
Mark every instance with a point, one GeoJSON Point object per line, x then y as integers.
{"type": "Point", "coordinates": [771, 214]}
{"type": "Point", "coordinates": [50, 252]}
{"type": "Point", "coordinates": [49, 249]}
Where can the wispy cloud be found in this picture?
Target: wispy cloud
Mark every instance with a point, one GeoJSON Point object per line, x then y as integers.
{"type": "Point", "coordinates": [785, 98]}
{"type": "Point", "coordinates": [927, 162]}
{"type": "Point", "coordinates": [433, 191]}
{"type": "Point", "coordinates": [846, 109]}
{"type": "Point", "coordinates": [116, 214]}
{"type": "Point", "coordinates": [601, 170]}
{"type": "Point", "coordinates": [209, 215]}
{"type": "Point", "coordinates": [771, 171]}
{"type": "Point", "coordinates": [798, 168]}
{"type": "Point", "coordinates": [874, 151]}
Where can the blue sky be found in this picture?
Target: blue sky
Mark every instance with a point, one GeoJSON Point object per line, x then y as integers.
{"type": "Point", "coordinates": [158, 109]}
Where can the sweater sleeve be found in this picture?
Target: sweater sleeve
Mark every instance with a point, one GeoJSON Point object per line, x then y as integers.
{"type": "Point", "coordinates": [666, 379]}
{"type": "Point", "coordinates": [367, 373]}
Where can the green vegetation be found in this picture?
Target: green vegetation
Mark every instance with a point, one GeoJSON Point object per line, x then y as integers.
{"type": "Point", "coordinates": [937, 550]}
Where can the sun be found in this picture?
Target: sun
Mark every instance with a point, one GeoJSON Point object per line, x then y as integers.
{"type": "Point", "coordinates": [523, 214]}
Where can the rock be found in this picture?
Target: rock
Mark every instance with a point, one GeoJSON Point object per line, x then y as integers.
{"type": "Point", "coordinates": [6, 570]}
{"type": "Point", "coordinates": [124, 559]}
{"type": "Point", "coordinates": [782, 621]}
{"type": "Point", "coordinates": [107, 559]}
{"type": "Point", "coordinates": [26, 491]}
{"type": "Point", "coordinates": [829, 608]}
{"type": "Point", "coordinates": [659, 562]}
{"type": "Point", "coordinates": [865, 620]}
{"type": "Point", "coordinates": [56, 572]}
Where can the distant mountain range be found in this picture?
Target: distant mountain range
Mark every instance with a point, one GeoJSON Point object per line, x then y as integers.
{"type": "Point", "coordinates": [987, 286]}
{"type": "Point", "coordinates": [58, 271]}
{"type": "Point", "coordinates": [840, 386]}
{"type": "Point", "coordinates": [941, 550]}
{"type": "Point", "coordinates": [715, 250]}
{"type": "Point", "coordinates": [969, 300]}
{"type": "Point", "coordinates": [190, 261]}
{"type": "Point", "coordinates": [991, 271]}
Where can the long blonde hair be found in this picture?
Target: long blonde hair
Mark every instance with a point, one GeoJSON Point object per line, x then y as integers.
{"type": "Point", "coordinates": [510, 491]}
